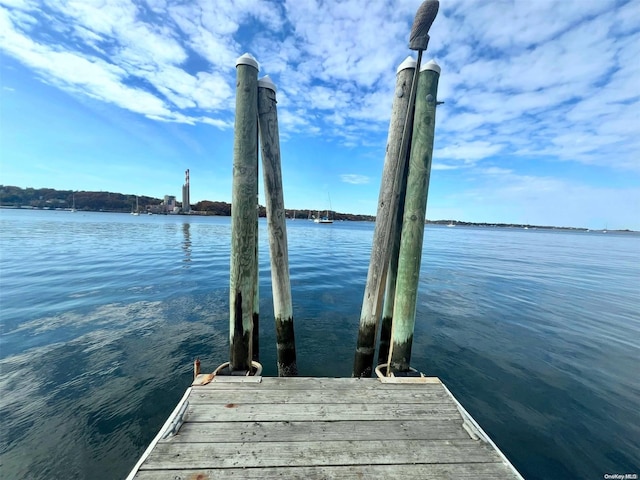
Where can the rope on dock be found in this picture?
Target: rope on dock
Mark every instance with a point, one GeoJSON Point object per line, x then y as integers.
{"type": "Point", "coordinates": [385, 366]}
{"type": "Point", "coordinates": [256, 369]}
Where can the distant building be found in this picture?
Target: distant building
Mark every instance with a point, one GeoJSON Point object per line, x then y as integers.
{"type": "Point", "coordinates": [186, 194]}
{"type": "Point", "coordinates": [169, 204]}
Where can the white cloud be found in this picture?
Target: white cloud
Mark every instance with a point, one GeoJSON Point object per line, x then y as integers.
{"type": "Point", "coordinates": [94, 77]}
{"type": "Point", "coordinates": [216, 122]}
{"type": "Point", "coordinates": [144, 52]}
{"type": "Point", "coordinates": [355, 179]}
{"type": "Point", "coordinates": [538, 85]}
{"type": "Point", "coordinates": [324, 98]}
{"type": "Point", "coordinates": [468, 152]}
{"type": "Point", "coordinates": [496, 171]}
{"type": "Point", "coordinates": [444, 166]}
{"type": "Point", "coordinates": [18, 4]}
{"type": "Point", "coordinates": [517, 80]}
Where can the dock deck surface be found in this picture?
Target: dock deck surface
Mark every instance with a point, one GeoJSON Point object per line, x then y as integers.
{"type": "Point", "coordinates": [320, 428]}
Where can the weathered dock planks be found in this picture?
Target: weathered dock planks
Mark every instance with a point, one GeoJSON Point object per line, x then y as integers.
{"type": "Point", "coordinates": [316, 428]}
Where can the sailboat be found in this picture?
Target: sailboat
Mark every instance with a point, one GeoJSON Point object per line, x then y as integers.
{"type": "Point", "coordinates": [136, 212]}
{"type": "Point", "coordinates": [73, 206]}
{"type": "Point", "coordinates": [325, 218]}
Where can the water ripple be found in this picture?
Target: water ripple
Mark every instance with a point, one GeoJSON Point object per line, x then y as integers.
{"type": "Point", "coordinates": [535, 332]}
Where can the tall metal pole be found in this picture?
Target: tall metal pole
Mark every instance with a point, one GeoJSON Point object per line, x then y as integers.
{"type": "Point", "coordinates": [388, 200]}
{"type": "Point", "coordinates": [243, 216]}
{"type": "Point", "coordinates": [410, 254]}
{"type": "Point", "coordinates": [276, 221]}
{"type": "Point", "coordinates": [255, 329]}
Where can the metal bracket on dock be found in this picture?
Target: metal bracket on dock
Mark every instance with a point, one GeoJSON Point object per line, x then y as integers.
{"type": "Point", "coordinates": [178, 413]}
{"type": "Point", "coordinates": [176, 422]}
{"type": "Point", "coordinates": [468, 422]}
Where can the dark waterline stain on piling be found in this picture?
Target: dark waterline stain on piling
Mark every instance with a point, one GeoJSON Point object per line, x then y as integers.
{"type": "Point", "coordinates": [363, 363]}
{"type": "Point", "coordinates": [401, 356]}
{"type": "Point", "coordinates": [385, 340]}
{"type": "Point", "coordinates": [287, 364]}
{"type": "Point", "coordinates": [239, 349]}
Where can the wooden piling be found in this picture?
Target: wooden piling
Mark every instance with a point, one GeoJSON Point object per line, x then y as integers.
{"type": "Point", "coordinates": [243, 216]}
{"type": "Point", "coordinates": [385, 217]}
{"type": "Point", "coordinates": [410, 255]}
{"type": "Point", "coordinates": [392, 273]}
{"type": "Point", "coordinates": [276, 221]}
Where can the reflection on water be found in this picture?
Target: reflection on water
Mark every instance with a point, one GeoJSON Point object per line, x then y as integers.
{"type": "Point", "coordinates": [85, 406]}
{"type": "Point", "coordinates": [102, 315]}
{"type": "Point", "coordinates": [186, 244]}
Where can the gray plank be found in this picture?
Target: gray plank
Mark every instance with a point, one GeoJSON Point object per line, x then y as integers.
{"type": "Point", "coordinates": [459, 471]}
{"type": "Point", "coordinates": [328, 395]}
{"type": "Point", "coordinates": [238, 412]}
{"type": "Point", "coordinates": [319, 431]}
{"type": "Point", "coordinates": [315, 428]}
{"type": "Point", "coordinates": [310, 383]}
{"type": "Point", "coordinates": [289, 454]}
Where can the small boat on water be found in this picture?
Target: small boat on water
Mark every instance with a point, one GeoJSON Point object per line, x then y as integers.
{"type": "Point", "coordinates": [324, 219]}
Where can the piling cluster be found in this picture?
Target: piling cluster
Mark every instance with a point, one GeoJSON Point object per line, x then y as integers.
{"type": "Point", "coordinates": [256, 117]}
{"type": "Point", "coordinates": [392, 280]}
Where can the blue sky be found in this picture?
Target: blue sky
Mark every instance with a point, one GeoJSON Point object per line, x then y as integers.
{"type": "Point", "coordinates": [541, 121]}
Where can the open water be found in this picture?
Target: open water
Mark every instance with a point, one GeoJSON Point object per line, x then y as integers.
{"type": "Point", "coordinates": [536, 332]}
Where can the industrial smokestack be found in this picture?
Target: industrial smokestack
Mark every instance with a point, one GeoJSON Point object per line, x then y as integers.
{"type": "Point", "coordinates": [186, 194]}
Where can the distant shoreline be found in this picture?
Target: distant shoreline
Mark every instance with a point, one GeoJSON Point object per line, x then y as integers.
{"type": "Point", "coordinates": [455, 223]}
{"type": "Point", "coordinates": [452, 223]}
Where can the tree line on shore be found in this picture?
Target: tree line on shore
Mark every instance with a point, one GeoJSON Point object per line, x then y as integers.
{"type": "Point", "coordinates": [49, 198]}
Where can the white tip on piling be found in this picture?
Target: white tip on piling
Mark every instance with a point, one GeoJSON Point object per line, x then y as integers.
{"type": "Point", "coordinates": [248, 59]}
{"type": "Point", "coordinates": [408, 62]}
{"type": "Point", "coordinates": [431, 65]}
{"type": "Point", "coordinates": [266, 82]}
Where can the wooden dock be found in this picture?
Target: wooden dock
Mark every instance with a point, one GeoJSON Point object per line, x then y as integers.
{"type": "Point", "coordinates": [320, 428]}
